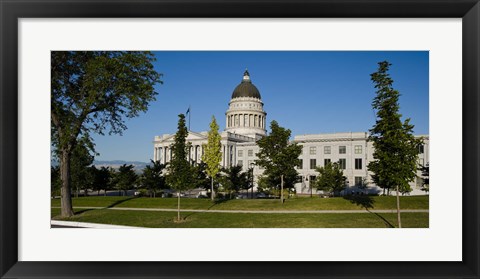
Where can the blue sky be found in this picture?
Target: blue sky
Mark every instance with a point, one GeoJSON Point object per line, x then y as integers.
{"type": "Point", "coordinates": [308, 92]}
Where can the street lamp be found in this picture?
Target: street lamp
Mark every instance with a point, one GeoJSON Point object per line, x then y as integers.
{"type": "Point", "coordinates": [252, 165]}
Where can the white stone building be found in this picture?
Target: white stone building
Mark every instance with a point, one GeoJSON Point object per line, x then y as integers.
{"type": "Point", "coordinates": [246, 123]}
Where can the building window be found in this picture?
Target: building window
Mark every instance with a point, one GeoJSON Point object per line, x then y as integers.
{"type": "Point", "coordinates": [342, 149]}
{"type": "Point", "coordinates": [358, 149]}
{"type": "Point", "coordinates": [240, 153]}
{"type": "Point", "coordinates": [358, 181]}
{"type": "Point", "coordinates": [327, 150]}
{"type": "Point", "coordinates": [313, 150]}
{"type": "Point", "coordinates": [300, 164]}
{"type": "Point", "coordinates": [313, 163]}
{"type": "Point", "coordinates": [326, 162]}
{"type": "Point", "coordinates": [421, 148]}
{"type": "Point", "coordinates": [250, 153]}
{"type": "Point", "coordinates": [240, 163]}
{"type": "Point", "coordinates": [312, 179]}
{"type": "Point", "coordinates": [342, 163]}
{"type": "Point", "coordinates": [358, 164]}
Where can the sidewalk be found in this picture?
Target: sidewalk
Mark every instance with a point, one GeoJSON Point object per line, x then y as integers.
{"type": "Point", "coordinates": [261, 211]}
{"type": "Point", "coordinates": [69, 224]}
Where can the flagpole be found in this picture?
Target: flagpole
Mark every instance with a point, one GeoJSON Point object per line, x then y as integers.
{"type": "Point", "coordinates": [189, 114]}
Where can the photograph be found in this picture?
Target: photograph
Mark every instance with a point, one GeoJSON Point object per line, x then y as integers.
{"type": "Point", "coordinates": [239, 139]}
{"type": "Point", "coordinates": [251, 139]}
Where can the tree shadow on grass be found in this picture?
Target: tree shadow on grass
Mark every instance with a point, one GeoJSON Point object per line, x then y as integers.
{"type": "Point", "coordinates": [119, 202]}
{"type": "Point", "coordinates": [385, 221]}
{"type": "Point", "coordinates": [363, 201]}
{"type": "Point", "coordinates": [216, 202]}
{"type": "Point", "coordinates": [367, 203]}
{"type": "Point", "coordinates": [83, 211]}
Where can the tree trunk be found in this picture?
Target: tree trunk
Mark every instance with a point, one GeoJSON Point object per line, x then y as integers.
{"type": "Point", "coordinates": [398, 209]}
{"type": "Point", "coordinates": [178, 206]}
{"type": "Point", "coordinates": [212, 195]}
{"type": "Point", "coordinates": [281, 188]}
{"type": "Point", "coordinates": [66, 200]}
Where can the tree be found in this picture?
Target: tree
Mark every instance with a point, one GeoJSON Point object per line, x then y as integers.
{"type": "Point", "coordinates": [126, 178]}
{"type": "Point", "coordinates": [425, 177]}
{"type": "Point", "coordinates": [278, 156]}
{"type": "Point", "coordinates": [56, 183]}
{"type": "Point", "coordinates": [80, 160]}
{"type": "Point", "coordinates": [179, 169]}
{"type": "Point", "coordinates": [233, 179]}
{"type": "Point", "coordinates": [101, 179]}
{"type": "Point", "coordinates": [364, 185]}
{"type": "Point", "coordinates": [200, 176]}
{"type": "Point", "coordinates": [93, 91]}
{"type": "Point", "coordinates": [152, 177]}
{"type": "Point", "coordinates": [330, 178]}
{"type": "Point", "coordinates": [212, 155]}
{"type": "Point", "coordinates": [394, 162]}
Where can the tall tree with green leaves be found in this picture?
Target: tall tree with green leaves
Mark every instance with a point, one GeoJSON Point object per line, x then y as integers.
{"type": "Point", "coordinates": [212, 155]}
{"type": "Point", "coordinates": [233, 179]}
{"type": "Point", "coordinates": [394, 162]}
{"type": "Point", "coordinates": [92, 92]}
{"type": "Point", "coordinates": [278, 156]}
{"type": "Point", "coordinates": [330, 178]}
{"type": "Point", "coordinates": [101, 179]}
{"type": "Point", "coordinates": [152, 177]}
{"type": "Point", "coordinates": [56, 183]}
{"type": "Point", "coordinates": [80, 160]}
{"type": "Point", "coordinates": [126, 178]}
{"type": "Point", "coordinates": [180, 171]}
{"type": "Point", "coordinates": [425, 177]}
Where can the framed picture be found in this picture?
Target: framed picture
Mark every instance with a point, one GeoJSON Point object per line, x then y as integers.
{"type": "Point", "coordinates": [180, 259]}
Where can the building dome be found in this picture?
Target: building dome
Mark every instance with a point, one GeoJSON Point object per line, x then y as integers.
{"type": "Point", "coordinates": [246, 88]}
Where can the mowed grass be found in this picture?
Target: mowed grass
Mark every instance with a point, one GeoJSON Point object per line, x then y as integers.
{"type": "Point", "coordinates": [303, 203]}
{"type": "Point", "coordinates": [154, 219]}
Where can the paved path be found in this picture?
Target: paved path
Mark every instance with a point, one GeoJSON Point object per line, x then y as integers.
{"type": "Point", "coordinates": [70, 224]}
{"type": "Point", "coordinates": [259, 211]}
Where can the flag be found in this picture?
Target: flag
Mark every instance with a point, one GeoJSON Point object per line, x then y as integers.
{"type": "Point", "coordinates": [188, 111]}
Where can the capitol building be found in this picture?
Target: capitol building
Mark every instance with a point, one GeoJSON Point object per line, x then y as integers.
{"type": "Point", "coordinates": [246, 122]}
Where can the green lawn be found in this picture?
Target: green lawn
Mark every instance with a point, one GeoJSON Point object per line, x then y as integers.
{"type": "Point", "coordinates": [246, 220]}
{"type": "Point", "coordinates": [157, 219]}
{"type": "Point", "coordinates": [304, 203]}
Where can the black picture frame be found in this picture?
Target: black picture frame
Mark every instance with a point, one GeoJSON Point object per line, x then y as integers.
{"type": "Point", "coordinates": [11, 11]}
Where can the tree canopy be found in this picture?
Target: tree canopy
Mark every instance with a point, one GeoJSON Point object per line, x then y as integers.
{"type": "Point", "coordinates": [278, 156]}
{"type": "Point", "coordinates": [394, 162]}
{"type": "Point", "coordinates": [330, 178]}
{"type": "Point", "coordinates": [152, 177]}
{"type": "Point", "coordinates": [126, 178]}
{"type": "Point", "coordinates": [212, 152]}
{"type": "Point", "coordinates": [233, 179]}
{"type": "Point", "coordinates": [93, 92]}
{"type": "Point", "coordinates": [180, 172]}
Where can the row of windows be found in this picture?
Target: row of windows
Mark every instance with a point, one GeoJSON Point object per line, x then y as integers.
{"type": "Point", "coordinates": [342, 163]}
{"type": "Point", "coordinates": [359, 180]}
{"type": "Point", "coordinates": [250, 153]}
{"type": "Point", "coordinates": [342, 149]}
{"type": "Point", "coordinates": [250, 163]}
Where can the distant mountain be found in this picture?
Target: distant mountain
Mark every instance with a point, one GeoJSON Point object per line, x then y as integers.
{"type": "Point", "coordinates": [137, 166]}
